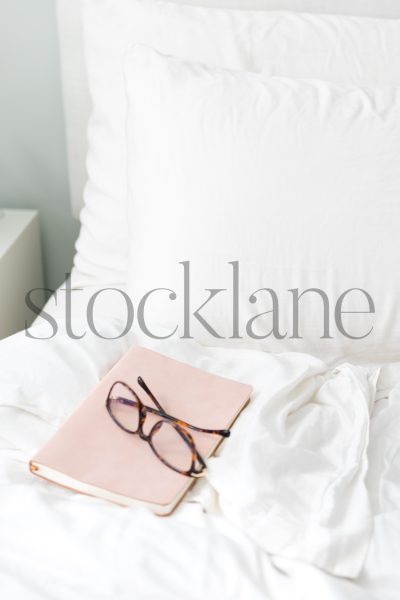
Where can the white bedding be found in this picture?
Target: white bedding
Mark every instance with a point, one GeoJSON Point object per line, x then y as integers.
{"type": "Point", "coordinates": [55, 544]}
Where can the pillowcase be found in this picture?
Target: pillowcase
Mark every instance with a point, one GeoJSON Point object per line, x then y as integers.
{"type": "Point", "coordinates": [273, 201]}
{"type": "Point", "coordinates": [343, 49]}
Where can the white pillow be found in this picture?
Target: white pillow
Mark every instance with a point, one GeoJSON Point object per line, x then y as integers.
{"type": "Point", "coordinates": [297, 180]}
{"type": "Point", "coordinates": [342, 49]}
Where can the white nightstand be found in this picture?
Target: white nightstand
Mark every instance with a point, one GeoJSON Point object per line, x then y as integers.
{"type": "Point", "coordinates": [20, 267]}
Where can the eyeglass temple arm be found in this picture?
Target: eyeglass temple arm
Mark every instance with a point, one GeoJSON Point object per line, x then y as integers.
{"type": "Point", "coordinates": [221, 432]}
{"type": "Point", "coordinates": [143, 385]}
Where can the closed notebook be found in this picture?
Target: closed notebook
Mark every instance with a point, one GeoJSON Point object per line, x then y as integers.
{"type": "Point", "coordinates": [92, 454]}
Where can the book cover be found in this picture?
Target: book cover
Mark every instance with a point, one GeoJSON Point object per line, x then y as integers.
{"type": "Point", "coordinates": [91, 454]}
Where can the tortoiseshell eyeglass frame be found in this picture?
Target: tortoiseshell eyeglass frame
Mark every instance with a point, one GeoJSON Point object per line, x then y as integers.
{"type": "Point", "coordinates": [179, 425]}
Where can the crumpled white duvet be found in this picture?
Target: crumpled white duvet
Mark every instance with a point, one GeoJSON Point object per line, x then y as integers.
{"type": "Point", "coordinates": [295, 478]}
{"type": "Point", "coordinates": [307, 488]}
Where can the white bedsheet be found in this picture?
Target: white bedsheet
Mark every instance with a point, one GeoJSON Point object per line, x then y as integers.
{"type": "Point", "coordinates": [58, 545]}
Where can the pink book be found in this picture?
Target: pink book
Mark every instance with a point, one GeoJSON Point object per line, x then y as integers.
{"type": "Point", "coordinates": [96, 453]}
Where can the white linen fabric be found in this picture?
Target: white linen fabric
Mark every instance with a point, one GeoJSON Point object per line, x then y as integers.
{"type": "Point", "coordinates": [295, 180]}
{"type": "Point", "coordinates": [56, 543]}
{"type": "Point", "coordinates": [317, 423]}
{"type": "Point", "coordinates": [336, 48]}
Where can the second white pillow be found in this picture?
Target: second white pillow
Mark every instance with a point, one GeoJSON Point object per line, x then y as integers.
{"type": "Point", "coordinates": [259, 189]}
{"type": "Point", "coordinates": [338, 48]}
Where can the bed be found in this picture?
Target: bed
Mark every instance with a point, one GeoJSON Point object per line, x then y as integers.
{"type": "Point", "coordinates": [59, 545]}
{"type": "Point", "coordinates": [56, 544]}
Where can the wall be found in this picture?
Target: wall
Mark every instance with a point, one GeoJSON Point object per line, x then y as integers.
{"type": "Point", "coordinates": [33, 167]}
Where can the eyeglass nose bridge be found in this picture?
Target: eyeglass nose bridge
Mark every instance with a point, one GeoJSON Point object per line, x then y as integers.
{"type": "Point", "coordinates": [142, 424]}
{"type": "Point", "coordinates": [143, 435]}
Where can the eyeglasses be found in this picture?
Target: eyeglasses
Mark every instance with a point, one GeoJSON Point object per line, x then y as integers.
{"type": "Point", "coordinates": [168, 437]}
